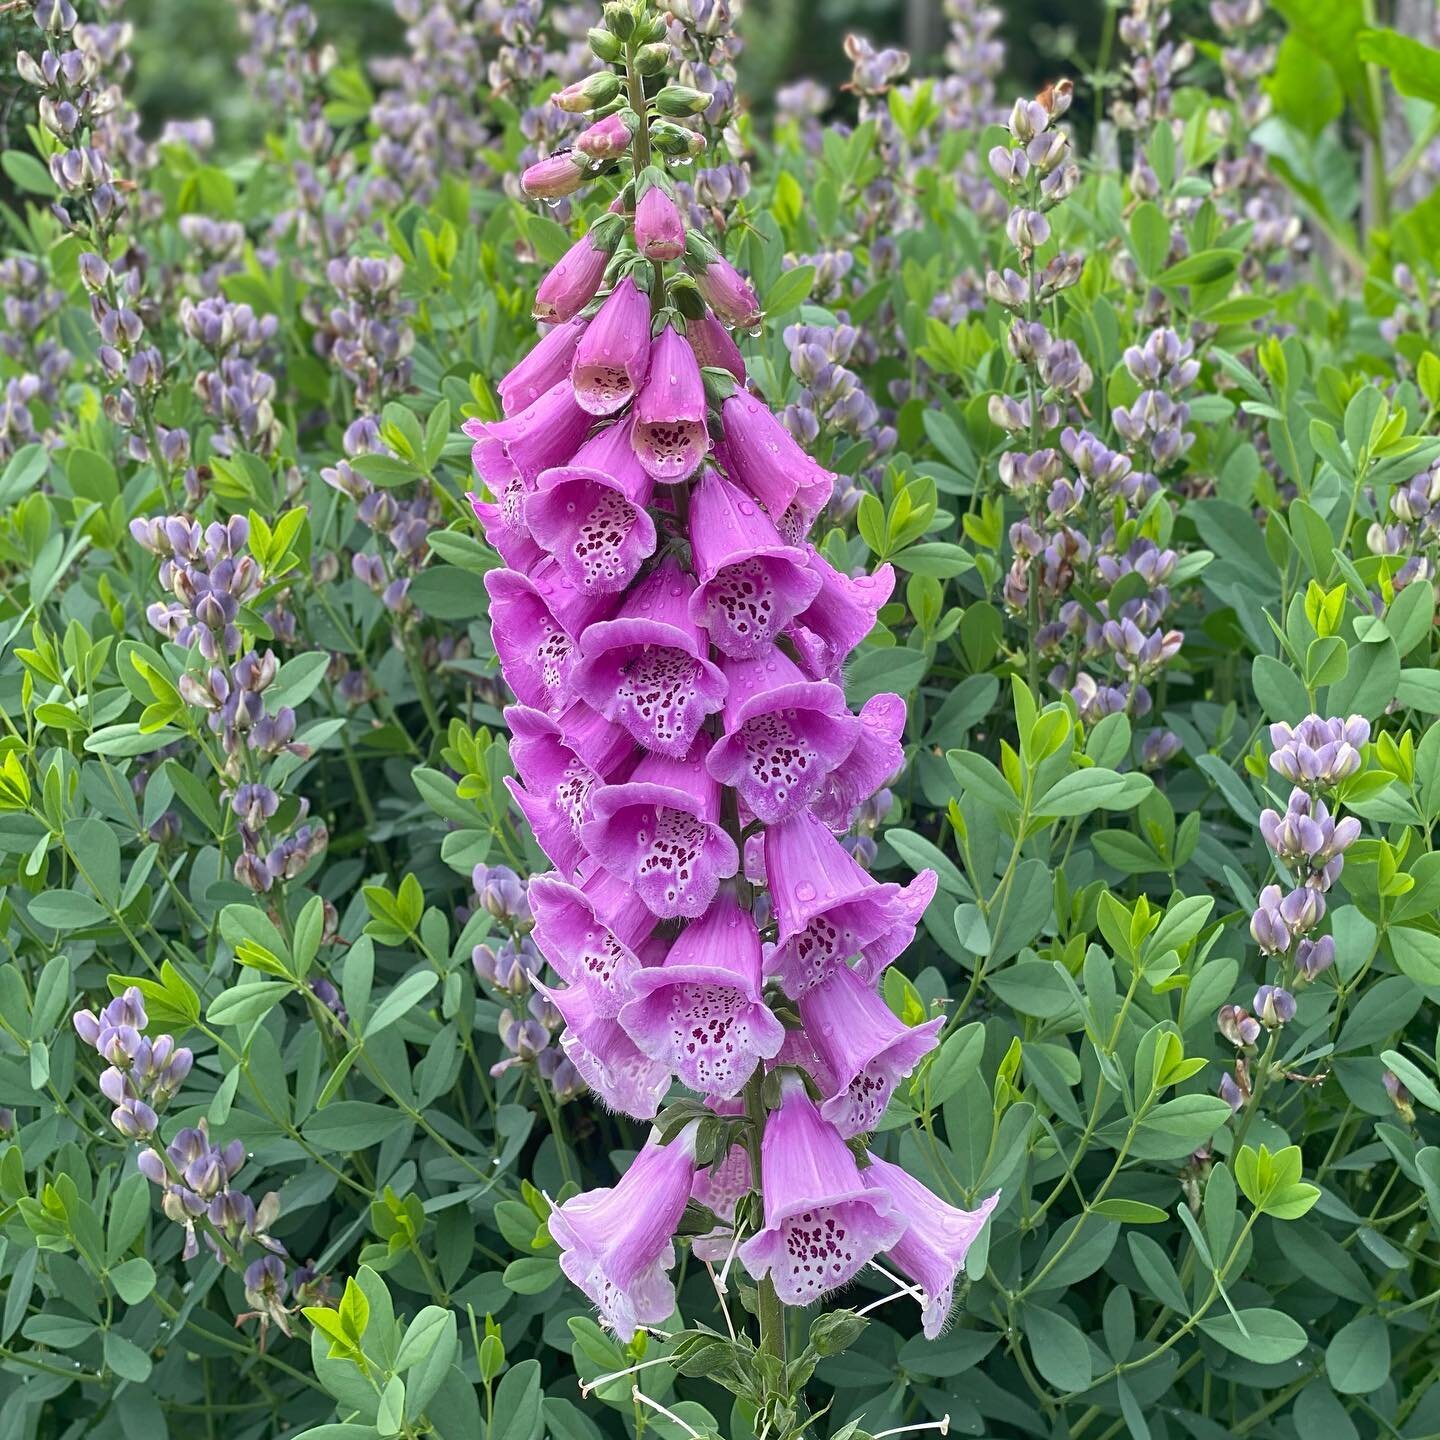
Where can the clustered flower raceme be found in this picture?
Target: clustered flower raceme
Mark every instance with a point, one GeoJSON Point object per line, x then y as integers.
{"type": "Point", "coordinates": [675, 646]}
{"type": "Point", "coordinates": [192, 1172]}
{"type": "Point", "coordinates": [1414, 530]}
{"type": "Point", "coordinates": [529, 1020]}
{"type": "Point", "coordinates": [211, 579]}
{"type": "Point", "coordinates": [237, 392]}
{"type": "Point", "coordinates": [43, 363]}
{"type": "Point", "coordinates": [1152, 66]}
{"type": "Point", "coordinates": [1089, 523]}
{"type": "Point", "coordinates": [1309, 845]}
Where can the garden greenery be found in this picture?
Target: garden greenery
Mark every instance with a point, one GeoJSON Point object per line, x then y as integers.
{"type": "Point", "coordinates": [710, 765]}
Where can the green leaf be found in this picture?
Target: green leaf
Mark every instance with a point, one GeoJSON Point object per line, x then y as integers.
{"type": "Point", "coordinates": [66, 910]}
{"type": "Point", "coordinates": [27, 173]}
{"type": "Point", "coordinates": [1265, 1337]}
{"type": "Point", "coordinates": [1416, 952]}
{"type": "Point", "coordinates": [404, 997]}
{"type": "Point", "coordinates": [1129, 1212]}
{"type": "Point", "coordinates": [792, 288]}
{"type": "Point", "coordinates": [1059, 1350]}
{"type": "Point", "coordinates": [1094, 789]}
{"type": "Point", "coordinates": [1357, 1359]}
{"type": "Point", "coordinates": [350, 1125]}
{"type": "Point", "coordinates": [1414, 68]}
{"type": "Point", "coordinates": [880, 668]}
{"type": "Point", "coordinates": [133, 1279]}
{"type": "Point", "coordinates": [248, 1001]}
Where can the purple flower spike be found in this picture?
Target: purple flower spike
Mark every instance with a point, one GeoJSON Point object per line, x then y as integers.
{"type": "Point", "coordinates": [535, 619]}
{"type": "Point", "coordinates": [751, 584]}
{"type": "Point", "coordinates": [557, 778]}
{"type": "Point", "coordinates": [572, 284]}
{"type": "Point", "coordinates": [613, 356]}
{"type": "Point", "coordinates": [762, 456]}
{"type": "Point", "coordinates": [866, 1048]}
{"type": "Point", "coordinates": [590, 514]}
{"type": "Point", "coordinates": [618, 1243]}
{"type": "Point", "coordinates": [936, 1239]}
{"type": "Point", "coordinates": [661, 832]}
{"type": "Point", "coordinates": [823, 1224]}
{"type": "Point", "coordinates": [702, 1012]}
{"type": "Point", "coordinates": [829, 909]}
{"type": "Point", "coordinates": [543, 368]}
{"type": "Point", "coordinates": [714, 346]}
{"type": "Point", "coordinates": [589, 934]}
{"type": "Point", "coordinates": [784, 734]}
{"type": "Point", "coordinates": [670, 436]}
{"type": "Point", "coordinates": [877, 756]}
{"type": "Point", "coordinates": [608, 1060]}
{"type": "Point", "coordinates": [509, 455]}
{"type": "Point", "coordinates": [841, 615]}
{"type": "Point", "coordinates": [659, 230]}
{"type": "Point", "coordinates": [647, 669]}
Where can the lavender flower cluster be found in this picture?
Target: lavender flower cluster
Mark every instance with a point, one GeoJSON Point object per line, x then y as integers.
{"type": "Point", "coordinates": [681, 740]}
{"type": "Point", "coordinates": [1309, 846]}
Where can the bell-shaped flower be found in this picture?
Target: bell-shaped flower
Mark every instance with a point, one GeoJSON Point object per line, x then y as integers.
{"type": "Point", "coordinates": [839, 617]}
{"type": "Point", "coordinates": [670, 436]}
{"type": "Point", "coordinates": [547, 364]}
{"type": "Point", "coordinates": [867, 1049]}
{"type": "Point", "coordinates": [702, 1012]}
{"type": "Point", "coordinates": [559, 764]}
{"type": "Point", "coordinates": [648, 668]}
{"type": "Point", "coordinates": [715, 347]}
{"type": "Point", "coordinates": [823, 1223]}
{"type": "Point", "coordinates": [572, 284]}
{"type": "Point", "coordinates": [618, 1244]}
{"type": "Point", "coordinates": [763, 457]}
{"type": "Point", "coordinates": [877, 755]}
{"type": "Point", "coordinates": [608, 1060]}
{"type": "Point", "coordinates": [590, 933]}
{"type": "Point", "coordinates": [590, 514]}
{"type": "Point", "coordinates": [661, 832]}
{"type": "Point", "coordinates": [535, 620]}
{"type": "Point", "coordinates": [784, 734]}
{"type": "Point", "coordinates": [829, 909]}
{"type": "Point", "coordinates": [751, 584]}
{"type": "Point", "coordinates": [936, 1240]}
{"type": "Point", "coordinates": [614, 354]}
{"type": "Point", "coordinates": [515, 547]}
{"type": "Point", "coordinates": [659, 230]}
{"type": "Point", "coordinates": [510, 454]}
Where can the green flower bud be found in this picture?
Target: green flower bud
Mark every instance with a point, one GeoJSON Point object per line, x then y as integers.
{"type": "Point", "coordinates": [680, 100]}
{"type": "Point", "coordinates": [652, 59]}
{"type": "Point", "coordinates": [620, 21]}
{"type": "Point", "coordinates": [671, 139]}
{"type": "Point", "coordinates": [588, 94]}
{"type": "Point", "coordinates": [604, 46]}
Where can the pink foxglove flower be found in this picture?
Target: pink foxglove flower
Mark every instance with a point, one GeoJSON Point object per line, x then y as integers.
{"type": "Point", "coordinates": [647, 669]}
{"type": "Point", "coordinates": [608, 1060]}
{"type": "Point", "coordinates": [510, 454]}
{"type": "Point", "coordinates": [866, 1048]}
{"type": "Point", "coordinates": [719, 1187]}
{"type": "Point", "coordinates": [877, 756]}
{"type": "Point", "coordinates": [763, 456]}
{"type": "Point", "coordinates": [572, 284]}
{"type": "Point", "coordinates": [555, 776]}
{"type": "Point", "coordinates": [751, 584]}
{"type": "Point", "coordinates": [613, 356]}
{"type": "Point", "coordinates": [702, 1012]}
{"type": "Point", "coordinates": [590, 933]}
{"type": "Point", "coordinates": [618, 1245]}
{"type": "Point", "coordinates": [841, 615]}
{"type": "Point", "coordinates": [823, 1223]}
{"type": "Point", "coordinates": [727, 292]}
{"type": "Point", "coordinates": [554, 177]}
{"type": "Point", "coordinates": [661, 831]}
{"type": "Point", "coordinates": [590, 513]}
{"type": "Point", "coordinates": [659, 230]}
{"type": "Point", "coordinates": [829, 909]}
{"type": "Point", "coordinates": [535, 619]}
{"type": "Point", "coordinates": [670, 436]}
{"type": "Point", "coordinates": [784, 735]}
{"type": "Point", "coordinates": [544, 367]}
{"type": "Point", "coordinates": [714, 346]}
{"type": "Point", "coordinates": [936, 1240]}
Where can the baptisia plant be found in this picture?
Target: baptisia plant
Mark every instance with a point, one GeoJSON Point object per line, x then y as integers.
{"type": "Point", "coordinates": [687, 760]}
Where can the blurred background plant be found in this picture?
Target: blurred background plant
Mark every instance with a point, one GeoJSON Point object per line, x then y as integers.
{"type": "Point", "coordinates": [1116, 324]}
